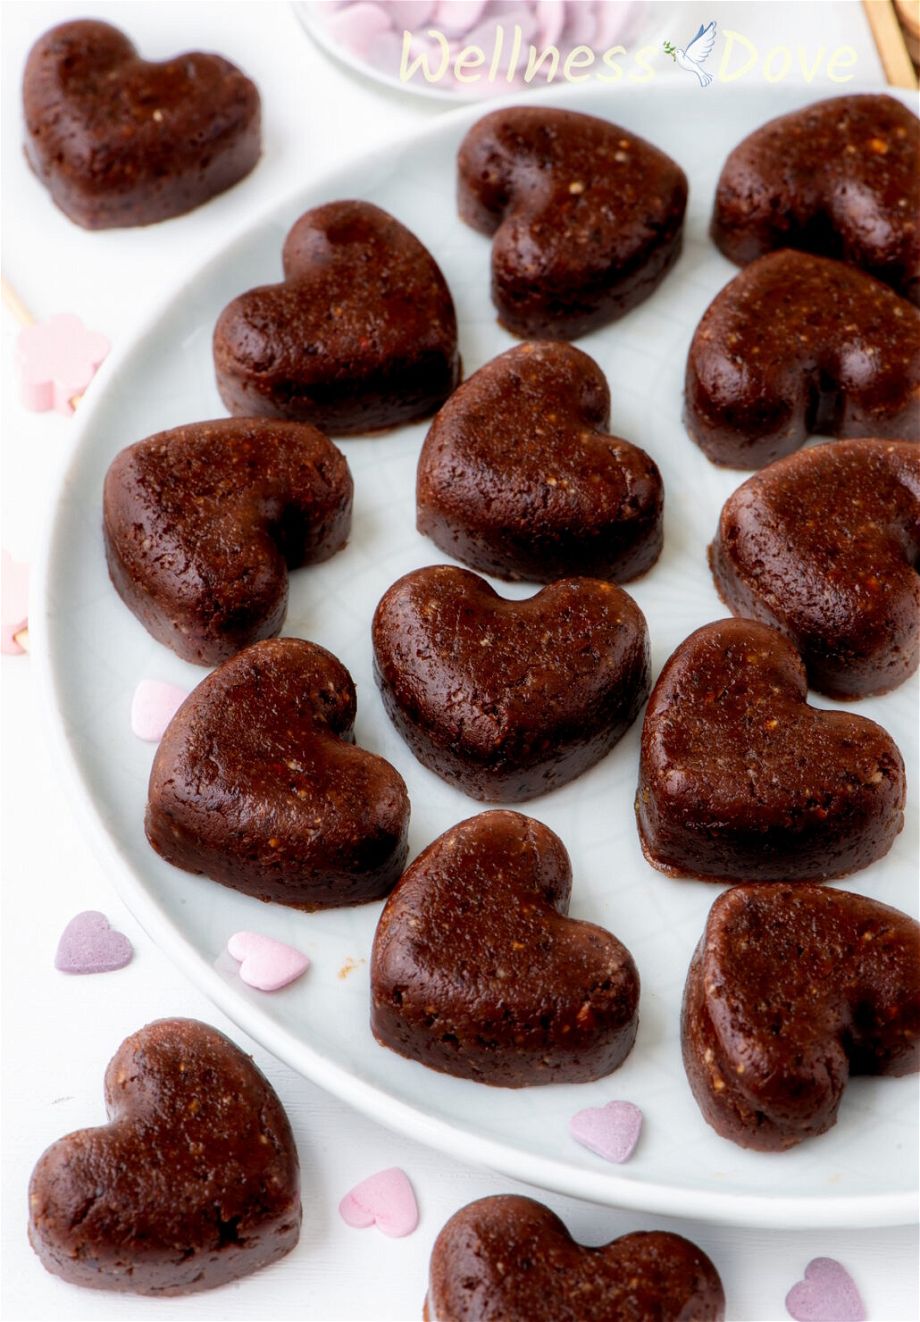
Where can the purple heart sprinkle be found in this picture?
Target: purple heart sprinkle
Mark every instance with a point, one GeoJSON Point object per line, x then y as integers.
{"type": "Point", "coordinates": [610, 1131]}
{"type": "Point", "coordinates": [827, 1294]}
{"type": "Point", "coordinates": [89, 945]}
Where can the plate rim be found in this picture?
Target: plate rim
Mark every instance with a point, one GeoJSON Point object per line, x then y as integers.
{"type": "Point", "coordinates": [604, 1186]}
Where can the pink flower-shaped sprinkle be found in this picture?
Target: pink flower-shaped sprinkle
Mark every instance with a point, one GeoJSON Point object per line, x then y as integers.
{"type": "Point", "coordinates": [57, 359]}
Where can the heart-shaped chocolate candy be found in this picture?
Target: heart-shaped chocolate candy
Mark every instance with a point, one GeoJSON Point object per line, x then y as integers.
{"type": "Point", "coordinates": [740, 780]}
{"type": "Point", "coordinates": [509, 699]}
{"type": "Point", "coordinates": [519, 478]}
{"type": "Point", "coordinates": [477, 971]}
{"type": "Point", "coordinates": [203, 522]}
{"type": "Point", "coordinates": [792, 989]}
{"type": "Point", "coordinates": [120, 141]}
{"type": "Point", "coordinates": [193, 1182]}
{"type": "Point", "coordinates": [587, 217]}
{"type": "Point", "coordinates": [823, 545]}
{"type": "Point", "coordinates": [257, 783]}
{"type": "Point", "coordinates": [796, 346]}
{"type": "Point", "coordinates": [508, 1258]}
{"type": "Point", "coordinates": [361, 335]}
{"type": "Point", "coordinates": [838, 178]}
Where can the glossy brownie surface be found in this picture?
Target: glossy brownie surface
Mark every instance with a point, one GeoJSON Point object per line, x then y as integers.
{"type": "Point", "coordinates": [796, 346]}
{"type": "Point", "coordinates": [194, 1181]}
{"type": "Point", "coordinates": [202, 524]}
{"type": "Point", "coordinates": [509, 699]}
{"type": "Point", "coordinates": [510, 1259]}
{"type": "Point", "coordinates": [257, 783]}
{"type": "Point", "coordinates": [792, 990]}
{"type": "Point", "coordinates": [741, 780]}
{"type": "Point", "coordinates": [840, 178]}
{"type": "Point", "coordinates": [360, 336]}
{"type": "Point", "coordinates": [587, 217]}
{"type": "Point", "coordinates": [476, 970]}
{"type": "Point", "coordinates": [824, 545]}
{"type": "Point", "coordinates": [120, 141]}
{"type": "Point", "coordinates": [519, 477]}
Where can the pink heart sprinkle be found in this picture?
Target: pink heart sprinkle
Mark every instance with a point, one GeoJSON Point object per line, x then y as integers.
{"type": "Point", "coordinates": [153, 706]}
{"type": "Point", "coordinates": [611, 1131]}
{"type": "Point", "coordinates": [89, 945]}
{"type": "Point", "coordinates": [827, 1294]}
{"type": "Point", "coordinates": [385, 1199]}
{"type": "Point", "coordinates": [15, 599]}
{"type": "Point", "coordinates": [57, 359]}
{"type": "Point", "coordinates": [265, 963]}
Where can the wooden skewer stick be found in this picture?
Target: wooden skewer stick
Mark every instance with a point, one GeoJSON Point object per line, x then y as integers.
{"type": "Point", "coordinates": [15, 303]}
{"type": "Point", "coordinates": [889, 41]}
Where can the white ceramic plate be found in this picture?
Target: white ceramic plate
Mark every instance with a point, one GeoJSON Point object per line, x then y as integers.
{"type": "Point", "coordinates": [91, 653]}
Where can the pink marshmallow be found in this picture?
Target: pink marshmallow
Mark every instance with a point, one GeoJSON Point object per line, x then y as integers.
{"type": "Point", "coordinates": [410, 14]}
{"type": "Point", "coordinates": [580, 26]}
{"type": "Point", "coordinates": [357, 27]}
{"type": "Point", "coordinates": [455, 17]}
{"type": "Point", "coordinates": [550, 20]}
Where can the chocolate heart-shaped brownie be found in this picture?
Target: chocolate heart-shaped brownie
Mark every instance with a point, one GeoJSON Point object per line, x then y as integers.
{"type": "Point", "coordinates": [257, 783]}
{"type": "Point", "coordinates": [361, 334]}
{"type": "Point", "coordinates": [838, 178]}
{"type": "Point", "coordinates": [823, 545]}
{"type": "Point", "coordinates": [791, 990]}
{"type": "Point", "coordinates": [510, 1259]}
{"type": "Point", "coordinates": [740, 780]}
{"type": "Point", "coordinates": [476, 970]}
{"type": "Point", "coordinates": [509, 699]}
{"type": "Point", "coordinates": [587, 217]}
{"type": "Point", "coordinates": [797, 345]}
{"type": "Point", "coordinates": [120, 141]}
{"type": "Point", "coordinates": [203, 522]}
{"type": "Point", "coordinates": [518, 476]}
{"type": "Point", "coordinates": [193, 1182]}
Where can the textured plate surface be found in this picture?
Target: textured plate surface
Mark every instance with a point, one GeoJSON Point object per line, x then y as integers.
{"type": "Point", "coordinates": [92, 652]}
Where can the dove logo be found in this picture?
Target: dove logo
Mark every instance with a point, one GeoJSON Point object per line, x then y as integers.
{"type": "Point", "coordinates": [696, 53]}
